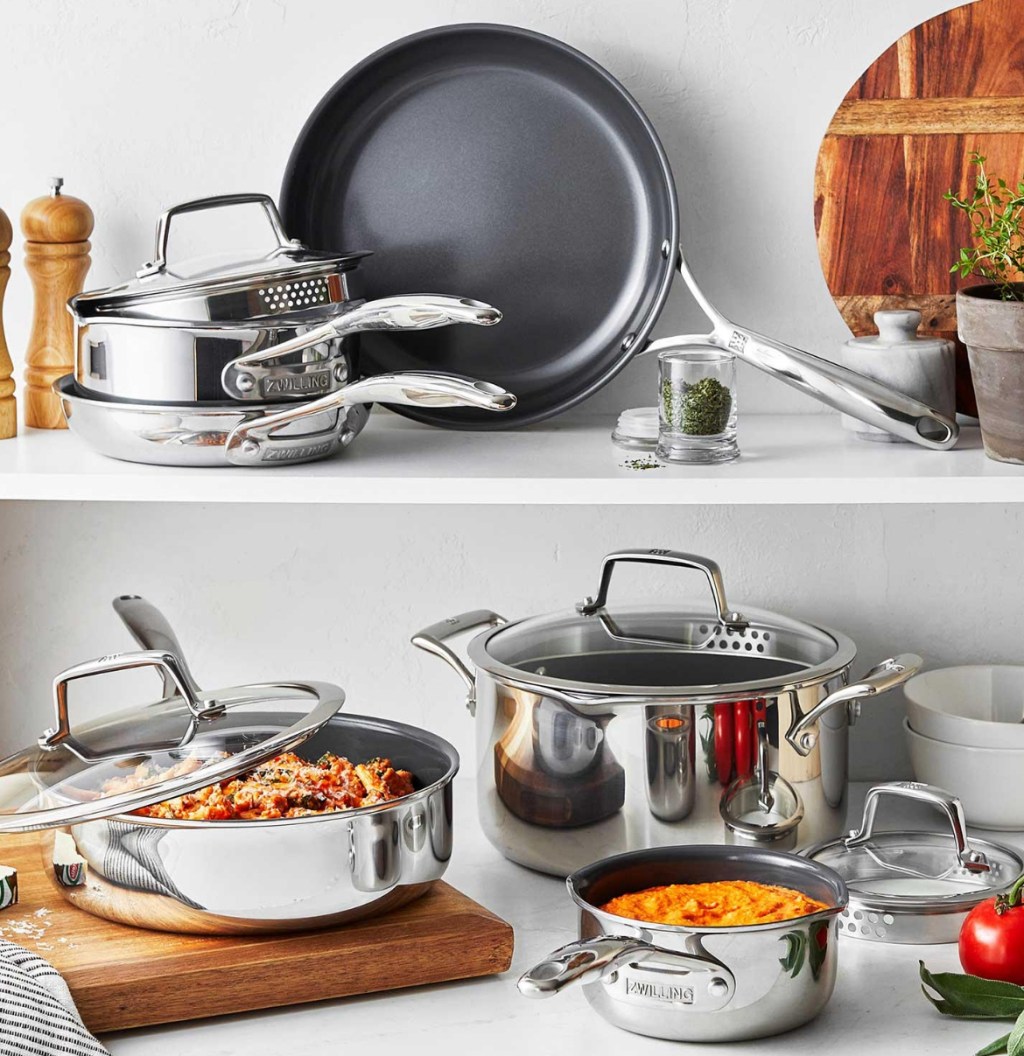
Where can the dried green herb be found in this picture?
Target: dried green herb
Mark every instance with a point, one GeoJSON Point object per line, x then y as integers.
{"type": "Point", "coordinates": [706, 407]}
{"type": "Point", "coordinates": [641, 463]}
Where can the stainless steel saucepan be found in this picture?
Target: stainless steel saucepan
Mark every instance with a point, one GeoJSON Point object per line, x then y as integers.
{"type": "Point", "coordinates": [267, 328]}
{"type": "Point", "coordinates": [225, 877]}
{"type": "Point", "coordinates": [237, 434]}
{"type": "Point", "coordinates": [616, 727]}
{"type": "Point", "coordinates": [691, 983]}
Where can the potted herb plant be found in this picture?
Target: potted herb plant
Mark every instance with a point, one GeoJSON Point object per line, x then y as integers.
{"type": "Point", "coordinates": [990, 316]}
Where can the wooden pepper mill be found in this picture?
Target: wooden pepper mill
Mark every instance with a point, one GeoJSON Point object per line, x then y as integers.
{"type": "Point", "coordinates": [57, 230]}
{"type": "Point", "coordinates": [8, 406]}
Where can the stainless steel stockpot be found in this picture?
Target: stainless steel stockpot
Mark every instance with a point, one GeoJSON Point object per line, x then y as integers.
{"type": "Point", "coordinates": [223, 877]}
{"type": "Point", "coordinates": [603, 730]}
{"type": "Point", "coordinates": [698, 984]}
{"type": "Point", "coordinates": [272, 327]}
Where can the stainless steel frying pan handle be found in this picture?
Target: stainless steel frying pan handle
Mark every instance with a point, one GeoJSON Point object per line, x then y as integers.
{"type": "Point", "coordinates": [246, 442]}
{"type": "Point", "coordinates": [151, 629]}
{"type": "Point", "coordinates": [713, 985]}
{"type": "Point", "coordinates": [835, 385]}
{"type": "Point", "coordinates": [432, 640]}
{"type": "Point", "coordinates": [163, 227]}
{"type": "Point", "coordinates": [884, 676]}
{"type": "Point", "coordinates": [244, 378]}
{"type": "Point", "coordinates": [733, 620]}
{"type": "Point", "coordinates": [169, 665]}
{"type": "Point", "coordinates": [944, 801]}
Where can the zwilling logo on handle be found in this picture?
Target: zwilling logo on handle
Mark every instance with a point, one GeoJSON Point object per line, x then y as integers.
{"type": "Point", "coordinates": [290, 454]}
{"type": "Point", "coordinates": [319, 382]}
{"type": "Point", "coordinates": [682, 995]}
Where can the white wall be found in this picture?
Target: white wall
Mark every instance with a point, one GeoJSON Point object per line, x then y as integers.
{"type": "Point", "coordinates": [259, 592]}
{"type": "Point", "coordinates": [141, 103]}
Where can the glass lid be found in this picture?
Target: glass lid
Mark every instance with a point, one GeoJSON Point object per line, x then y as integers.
{"type": "Point", "coordinates": [603, 649]}
{"type": "Point", "coordinates": [147, 754]}
{"type": "Point", "coordinates": [163, 289]}
{"type": "Point", "coordinates": [922, 870]}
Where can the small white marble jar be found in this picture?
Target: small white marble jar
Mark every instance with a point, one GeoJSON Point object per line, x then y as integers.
{"type": "Point", "coordinates": [897, 356]}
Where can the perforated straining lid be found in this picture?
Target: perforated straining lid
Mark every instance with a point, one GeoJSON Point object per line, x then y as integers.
{"type": "Point", "coordinates": [225, 287]}
{"type": "Point", "coordinates": [915, 886]}
{"type": "Point", "coordinates": [663, 651]}
{"type": "Point", "coordinates": [145, 755]}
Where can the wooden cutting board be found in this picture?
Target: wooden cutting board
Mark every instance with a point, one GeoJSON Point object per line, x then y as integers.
{"type": "Point", "coordinates": [897, 143]}
{"type": "Point", "coordinates": [125, 977]}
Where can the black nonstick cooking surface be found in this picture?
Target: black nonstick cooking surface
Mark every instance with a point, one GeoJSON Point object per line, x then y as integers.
{"type": "Point", "coordinates": [496, 163]}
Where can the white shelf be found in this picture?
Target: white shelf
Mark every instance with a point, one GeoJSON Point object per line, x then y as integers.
{"type": "Point", "coordinates": [787, 459]}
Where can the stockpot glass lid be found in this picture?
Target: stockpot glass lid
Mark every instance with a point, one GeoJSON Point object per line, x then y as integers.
{"type": "Point", "coordinates": [655, 650]}
{"type": "Point", "coordinates": [919, 871]}
{"type": "Point", "coordinates": [182, 291]}
{"type": "Point", "coordinates": [147, 754]}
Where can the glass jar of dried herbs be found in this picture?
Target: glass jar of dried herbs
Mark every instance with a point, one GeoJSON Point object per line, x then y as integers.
{"type": "Point", "coordinates": [697, 406]}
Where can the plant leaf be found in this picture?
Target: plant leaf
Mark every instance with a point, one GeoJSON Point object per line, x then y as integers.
{"type": "Point", "coordinates": [994, 1047]}
{"type": "Point", "coordinates": [1015, 1041]}
{"type": "Point", "coordinates": [971, 997]}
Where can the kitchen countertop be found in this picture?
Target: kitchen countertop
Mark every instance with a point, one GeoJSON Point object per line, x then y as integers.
{"type": "Point", "coordinates": [877, 1000]}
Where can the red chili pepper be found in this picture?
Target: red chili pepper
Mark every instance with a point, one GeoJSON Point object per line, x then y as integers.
{"type": "Point", "coordinates": [992, 938]}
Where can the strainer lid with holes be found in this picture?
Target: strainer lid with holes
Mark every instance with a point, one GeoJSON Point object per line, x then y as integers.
{"type": "Point", "coordinates": [915, 886]}
{"type": "Point", "coordinates": [225, 287]}
{"type": "Point", "coordinates": [709, 653]}
{"type": "Point", "coordinates": [153, 752]}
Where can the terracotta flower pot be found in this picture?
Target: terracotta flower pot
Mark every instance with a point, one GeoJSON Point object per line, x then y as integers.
{"type": "Point", "coordinates": [993, 330]}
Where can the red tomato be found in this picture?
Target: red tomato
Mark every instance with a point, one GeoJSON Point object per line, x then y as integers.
{"type": "Point", "coordinates": [992, 938]}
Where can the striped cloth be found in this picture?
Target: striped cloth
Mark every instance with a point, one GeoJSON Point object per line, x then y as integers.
{"type": "Point", "coordinates": [37, 1014]}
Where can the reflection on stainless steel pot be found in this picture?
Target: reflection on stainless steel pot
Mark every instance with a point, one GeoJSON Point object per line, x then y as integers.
{"type": "Point", "coordinates": [698, 983]}
{"type": "Point", "coordinates": [232, 876]}
{"type": "Point", "coordinates": [654, 725]}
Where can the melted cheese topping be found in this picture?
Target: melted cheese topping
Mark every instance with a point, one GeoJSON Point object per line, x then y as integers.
{"type": "Point", "coordinates": [722, 904]}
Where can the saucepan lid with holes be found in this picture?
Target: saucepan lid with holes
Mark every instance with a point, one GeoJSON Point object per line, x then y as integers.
{"type": "Point", "coordinates": [225, 287]}
{"type": "Point", "coordinates": [704, 653]}
{"type": "Point", "coordinates": [187, 739]}
{"type": "Point", "coordinates": [915, 886]}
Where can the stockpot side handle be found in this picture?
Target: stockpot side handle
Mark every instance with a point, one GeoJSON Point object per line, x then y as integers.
{"type": "Point", "coordinates": [675, 558]}
{"type": "Point", "coordinates": [713, 983]}
{"type": "Point", "coordinates": [884, 676]}
{"type": "Point", "coordinates": [163, 228]}
{"type": "Point", "coordinates": [946, 802]}
{"type": "Point", "coordinates": [432, 640]}
{"type": "Point", "coordinates": [170, 667]}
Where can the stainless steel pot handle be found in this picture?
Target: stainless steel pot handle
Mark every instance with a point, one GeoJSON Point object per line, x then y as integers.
{"type": "Point", "coordinates": [163, 228]}
{"type": "Point", "coordinates": [248, 442]}
{"type": "Point", "coordinates": [974, 861]}
{"type": "Point", "coordinates": [884, 676]}
{"type": "Point", "coordinates": [832, 384]}
{"type": "Point", "coordinates": [431, 639]}
{"type": "Point", "coordinates": [712, 983]}
{"type": "Point", "coordinates": [169, 665]}
{"type": "Point", "coordinates": [151, 629]}
{"type": "Point", "coordinates": [733, 620]}
{"type": "Point", "coordinates": [243, 378]}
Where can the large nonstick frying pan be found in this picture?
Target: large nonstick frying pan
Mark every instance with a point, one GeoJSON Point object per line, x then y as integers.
{"type": "Point", "coordinates": [499, 161]}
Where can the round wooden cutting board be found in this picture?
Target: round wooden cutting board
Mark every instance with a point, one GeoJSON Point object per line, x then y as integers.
{"type": "Point", "coordinates": [899, 140]}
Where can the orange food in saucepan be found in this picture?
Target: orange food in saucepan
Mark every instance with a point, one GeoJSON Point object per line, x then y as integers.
{"type": "Point", "coordinates": [283, 787]}
{"type": "Point", "coordinates": [721, 904]}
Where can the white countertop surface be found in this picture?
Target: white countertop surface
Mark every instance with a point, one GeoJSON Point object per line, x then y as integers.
{"type": "Point", "coordinates": [877, 1003]}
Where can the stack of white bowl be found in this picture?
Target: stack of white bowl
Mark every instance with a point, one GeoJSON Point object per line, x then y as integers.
{"type": "Point", "coordinates": [965, 731]}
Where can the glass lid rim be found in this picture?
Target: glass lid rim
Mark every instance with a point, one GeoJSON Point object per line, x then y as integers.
{"type": "Point", "coordinates": [844, 654]}
{"type": "Point", "coordinates": [327, 698]}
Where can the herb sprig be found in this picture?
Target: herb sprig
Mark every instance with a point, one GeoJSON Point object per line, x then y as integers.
{"type": "Point", "coordinates": [970, 997]}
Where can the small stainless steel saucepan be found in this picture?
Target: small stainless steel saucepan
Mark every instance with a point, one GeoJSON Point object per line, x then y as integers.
{"type": "Point", "coordinates": [273, 327]}
{"type": "Point", "coordinates": [690, 983]}
{"type": "Point", "coordinates": [258, 434]}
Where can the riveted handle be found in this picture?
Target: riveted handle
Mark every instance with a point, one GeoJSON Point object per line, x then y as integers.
{"type": "Point", "coordinates": [163, 228]}
{"type": "Point", "coordinates": [152, 630]}
{"type": "Point", "coordinates": [432, 639]}
{"type": "Point", "coordinates": [677, 559]}
{"type": "Point", "coordinates": [944, 801]}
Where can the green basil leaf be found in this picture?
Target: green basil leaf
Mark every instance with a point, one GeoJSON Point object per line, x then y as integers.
{"type": "Point", "coordinates": [995, 1047]}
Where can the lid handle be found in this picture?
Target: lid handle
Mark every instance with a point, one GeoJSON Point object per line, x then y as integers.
{"type": "Point", "coordinates": [163, 228]}
{"type": "Point", "coordinates": [170, 666]}
{"type": "Point", "coordinates": [734, 621]}
{"type": "Point", "coordinates": [973, 861]}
